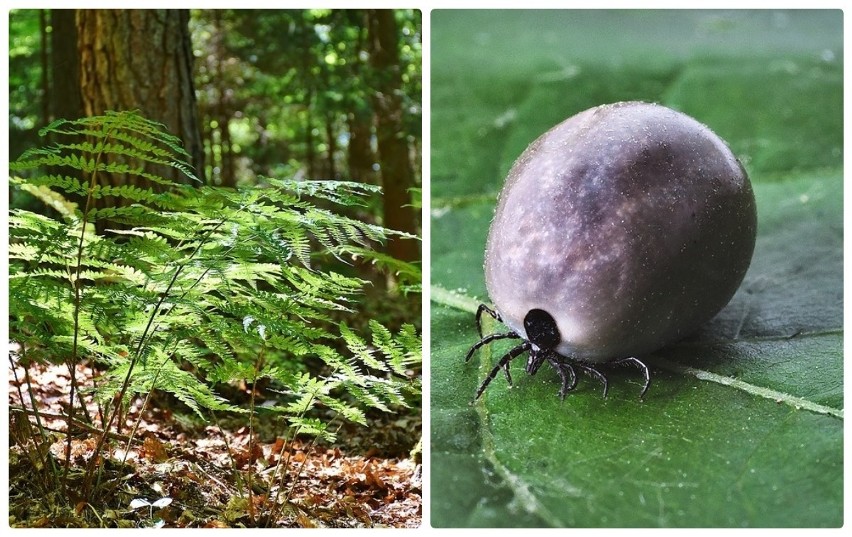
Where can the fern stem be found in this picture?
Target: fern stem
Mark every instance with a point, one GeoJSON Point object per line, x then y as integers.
{"type": "Point", "coordinates": [33, 404]}
{"type": "Point", "coordinates": [80, 425]}
{"type": "Point", "coordinates": [310, 446]}
{"type": "Point", "coordinates": [38, 450]}
{"type": "Point", "coordinates": [138, 352]}
{"type": "Point", "coordinates": [274, 507]}
{"type": "Point", "coordinates": [234, 469]}
{"type": "Point", "coordinates": [78, 304]}
{"type": "Point", "coordinates": [142, 410]}
{"type": "Point", "coordinates": [275, 504]}
{"type": "Point", "coordinates": [257, 363]}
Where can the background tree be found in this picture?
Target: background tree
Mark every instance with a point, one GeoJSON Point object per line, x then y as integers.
{"type": "Point", "coordinates": [141, 59]}
{"type": "Point", "coordinates": [66, 101]}
{"type": "Point", "coordinates": [318, 93]}
{"type": "Point", "coordinates": [397, 177]}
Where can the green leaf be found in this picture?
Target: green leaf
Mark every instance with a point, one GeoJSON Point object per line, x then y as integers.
{"type": "Point", "coordinates": [743, 423]}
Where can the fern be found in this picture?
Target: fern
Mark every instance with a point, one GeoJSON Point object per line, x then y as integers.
{"type": "Point", "coordinates": [183, 285]}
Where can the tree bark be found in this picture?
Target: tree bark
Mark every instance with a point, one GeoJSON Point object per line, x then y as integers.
{"type": "Point", "coordinates": [360, 158]}
{"type": "Point", "coordinates": [141, 59]}
{"type": "Point", "coordinates": [397, 175]}
{"type": "Point", "coordinates": [65, 99]}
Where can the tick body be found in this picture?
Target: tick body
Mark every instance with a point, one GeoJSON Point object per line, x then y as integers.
{"type": "Point", "coordinates": [617, 232]}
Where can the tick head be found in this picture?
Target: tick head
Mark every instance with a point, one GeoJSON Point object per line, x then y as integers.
{"type": "Point", "coordinates": [544, 336]}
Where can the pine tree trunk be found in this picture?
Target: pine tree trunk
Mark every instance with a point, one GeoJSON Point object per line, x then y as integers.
{"type": "Point", "coordinates": [65, 99]}
{"type": "Point", "coordinates": [141, 59]}
{"type": "Point", "coordinates": [397, 175]}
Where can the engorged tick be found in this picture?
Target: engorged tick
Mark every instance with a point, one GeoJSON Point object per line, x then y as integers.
{"type": "Point", "coordinates": [617, 232]}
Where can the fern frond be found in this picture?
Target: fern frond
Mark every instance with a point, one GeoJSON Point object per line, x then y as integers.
{"type": "Point", "coordinates": [347, 412]}
{"type": "Point", "coordinates": [365, 396]}
{"type": "Point", "coordinates": [405, 271]}
{"type": "Point", "coordinates": [312, 427]}
{"type": "Point", "coordinates": [347, 193]}
{"type": "Point", "coordinates": [65, 183]}
{"type": "Point", "coordinates": [359, 349]}
{"type": "Point", "coordinates": [114, 123]}
{"type": "Point", "coordinates": [199, 281]}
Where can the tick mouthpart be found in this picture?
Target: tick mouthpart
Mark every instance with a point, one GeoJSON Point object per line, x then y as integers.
{"type": "Point", "coordinates": [536, 359]}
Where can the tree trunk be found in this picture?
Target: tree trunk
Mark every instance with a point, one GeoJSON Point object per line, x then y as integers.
{"type": "Point", "coordinates": [227, 171]}
{"type": "Point", "coordinates": [360, 157]}
{"type": "Point", "coordinates": [331, 141]}
{"type": "Point", "coordinates": [359, 120]}
{"type": "Point", "coordinates": [45, 68]}
{"type": "Point", "coordinates": [65, 99]}
{"type": "Point", "coordinates": [397, 175]}
{"type": "Point", "coordinates": [310, 150]}
{"type": "Point", "coordinates": [141, 59]}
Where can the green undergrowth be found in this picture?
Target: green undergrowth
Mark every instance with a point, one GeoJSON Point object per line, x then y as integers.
{"type": "Point", "coordinates": [186, 289]}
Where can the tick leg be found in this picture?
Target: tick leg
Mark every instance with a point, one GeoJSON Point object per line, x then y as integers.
{"type": "Point", "coordinates": [502, 364]}
{"type": "Point", "coordinates": [488, 339]}
{"type": "Point", "coordinates": [642, 367]}
{"type": "Point", "coordinates": [508, 375]}
{"type": "Point", "coordinates": [483, 308]}
{"type": "Point", "coordinates": [565, 371]}
{"type": "Point", "coordinates": [592, 372]}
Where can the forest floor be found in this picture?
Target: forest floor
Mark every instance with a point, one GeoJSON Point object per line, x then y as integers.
{"type": "Point", "coordinates": [183, 472]}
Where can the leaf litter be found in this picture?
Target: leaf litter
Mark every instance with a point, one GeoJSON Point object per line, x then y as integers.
{"type": "Point", "coordinates": [190, 474]}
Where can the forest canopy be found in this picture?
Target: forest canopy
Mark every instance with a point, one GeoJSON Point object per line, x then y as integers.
{"type": "Point", "coordinates": [306, 93]}
{"type": "Point", "coordinates": [290, 85]}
